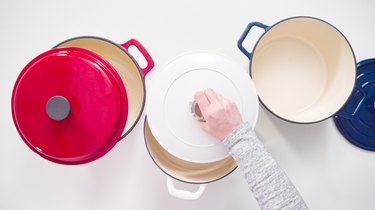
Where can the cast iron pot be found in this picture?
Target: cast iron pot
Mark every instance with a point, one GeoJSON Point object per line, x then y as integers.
{"type": "Point", "coordinates": [185, 171]}
{"type": "Point", "coordinates": [303, 68]}
{"type": "Point", "coordinates": [72, 103]}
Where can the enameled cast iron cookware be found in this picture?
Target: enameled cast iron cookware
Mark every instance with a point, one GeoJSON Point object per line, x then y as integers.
{"type": "Point", "coordinates": [71, 104]}
{"type": "Point", "coordinates": [173, 137]}
{"type": "Point", "coordinates": [303, 69]}
{"type": "Point", "coordinates": [185, 171]}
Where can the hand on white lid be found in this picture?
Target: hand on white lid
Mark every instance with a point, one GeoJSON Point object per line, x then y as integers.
{"type": "Point", "coordinates": [221, 116]}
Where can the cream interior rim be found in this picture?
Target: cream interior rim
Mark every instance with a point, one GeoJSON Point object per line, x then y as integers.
{"type": "Point", "coordinates": [125, 67]}
{"type": "Point", "coordinates": [303, 69]}
{"type": "Point", "coordinates": [186, 171]}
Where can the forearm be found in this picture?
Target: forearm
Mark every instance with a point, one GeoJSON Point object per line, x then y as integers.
{"type": "Point", "coordinates": [268, 182]}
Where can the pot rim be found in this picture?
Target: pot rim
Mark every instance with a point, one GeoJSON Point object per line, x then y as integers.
{"type": "Point", "coordinates": [168, 174]}
{"type": "Point", "coordinates": [347, 41]}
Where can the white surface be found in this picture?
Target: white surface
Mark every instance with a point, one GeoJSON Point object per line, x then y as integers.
{"type": "Point", "coordinates": [169, 94]}
{"type": "Point", "coordinates": [328, 171]}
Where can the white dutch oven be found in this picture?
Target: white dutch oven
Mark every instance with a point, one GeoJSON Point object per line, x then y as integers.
{"type": "Point", "coordinates": [185, 171]}
{"type": "Point", "coordinates": [183, 150]}
{"type": "Point", "coordinates": [303, 68]}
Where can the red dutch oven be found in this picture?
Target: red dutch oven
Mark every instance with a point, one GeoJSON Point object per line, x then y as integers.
{"type": "Point", "coordinates": [73, 103]}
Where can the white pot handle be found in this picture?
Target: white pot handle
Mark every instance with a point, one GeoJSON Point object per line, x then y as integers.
{"type": "Point", "coordinates": [182, 194]}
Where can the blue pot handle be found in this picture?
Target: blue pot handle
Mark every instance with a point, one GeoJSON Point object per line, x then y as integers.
{"type": "Point", "coordinates": [244, 35]}
{"type": "Point", "coordinates": [348, 115]}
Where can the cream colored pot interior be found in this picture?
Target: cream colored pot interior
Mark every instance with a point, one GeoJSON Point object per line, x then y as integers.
{"type": "Point", "coordinates": [126, 68]}
{"type": "Point", "coordinates": [184, 170]}
{"type": "Point", "coordinates": [303, 69]}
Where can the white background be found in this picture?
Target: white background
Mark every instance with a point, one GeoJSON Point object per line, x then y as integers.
{"type": "Point", "coordinates": [329, 172]}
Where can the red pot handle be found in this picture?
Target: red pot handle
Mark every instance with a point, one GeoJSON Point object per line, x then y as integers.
{"type": "Point", "coordinates": [146, 55]}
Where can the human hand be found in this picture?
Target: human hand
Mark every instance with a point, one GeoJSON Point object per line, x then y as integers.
{"type": "Point", "coordinates": [221, 115]}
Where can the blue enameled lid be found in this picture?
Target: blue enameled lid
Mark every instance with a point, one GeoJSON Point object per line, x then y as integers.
{"type": "Point", "coordinates": [356, 120]}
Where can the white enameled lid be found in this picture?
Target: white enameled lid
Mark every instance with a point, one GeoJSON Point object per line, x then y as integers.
{"type": "Point", "coordinates": [168, 109]}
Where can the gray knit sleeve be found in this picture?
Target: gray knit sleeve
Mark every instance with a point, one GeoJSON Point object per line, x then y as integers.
{"type": "Point", "coordinates": [268, 182]}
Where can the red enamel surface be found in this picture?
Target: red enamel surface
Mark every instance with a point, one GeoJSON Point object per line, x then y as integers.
{"type": "Point", "coordinates": [97, 98]}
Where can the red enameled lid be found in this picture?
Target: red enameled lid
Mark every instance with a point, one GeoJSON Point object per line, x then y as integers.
{"type": "Point", "coordinates": [69, 105]}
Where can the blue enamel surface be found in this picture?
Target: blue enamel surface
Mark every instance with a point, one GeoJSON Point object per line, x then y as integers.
{"type": "Point", "coordinates": [360, 128]}
{"type": "Point", "coordinates": [244, 35]}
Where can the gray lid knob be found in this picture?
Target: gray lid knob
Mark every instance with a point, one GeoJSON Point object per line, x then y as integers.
{"type": "Point", "coordinates": [58, 107]}
{"type": "Point", "coordinates": [197, 113]}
